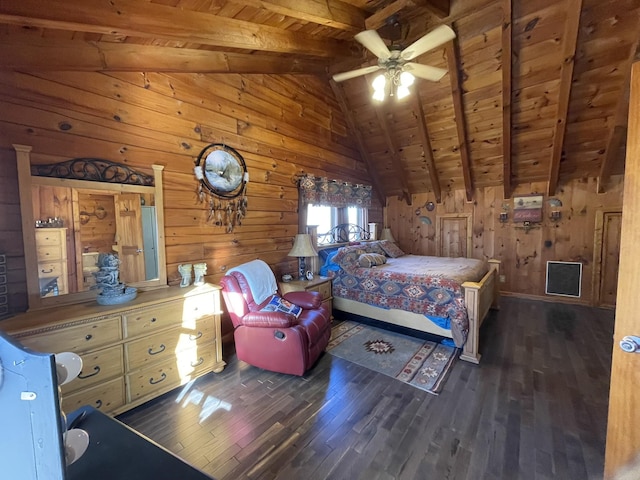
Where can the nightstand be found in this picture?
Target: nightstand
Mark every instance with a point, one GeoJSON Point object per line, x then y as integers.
{"type": "Point", "coordinates": [318, 284]}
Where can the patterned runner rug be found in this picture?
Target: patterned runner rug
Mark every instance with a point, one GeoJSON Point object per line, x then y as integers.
{"type": "Point", "coordinates": [421, 363]}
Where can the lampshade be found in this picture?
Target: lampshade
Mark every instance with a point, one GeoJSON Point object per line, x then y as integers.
{"type": "Point", "coordinates": [387, 235]}
{"type": "Point", "coordinates": [302, 246]}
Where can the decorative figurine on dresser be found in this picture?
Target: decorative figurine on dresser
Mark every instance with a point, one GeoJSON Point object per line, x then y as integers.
{"type": "Point", "coordinates": [113, 291]}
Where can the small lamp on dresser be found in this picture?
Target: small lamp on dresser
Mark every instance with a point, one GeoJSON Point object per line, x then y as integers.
{"type": "Point", "coordinates": [302, 248]}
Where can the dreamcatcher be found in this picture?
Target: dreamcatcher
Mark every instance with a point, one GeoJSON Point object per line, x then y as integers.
{"type": "Point", "coordinates": [223, 177]}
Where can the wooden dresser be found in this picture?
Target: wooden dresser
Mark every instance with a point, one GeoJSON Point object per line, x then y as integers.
{"type": "Point", "coordinates": [132, 352]}
{"type": "Point", "coordinates": [51, 248]}
{"type": "Point", "coordinates": [318, 284]}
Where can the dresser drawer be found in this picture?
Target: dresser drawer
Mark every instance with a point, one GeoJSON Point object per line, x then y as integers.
{"type": "Point", "coordinates": [185, 366]}
{"type": "Point", "coordinates": [50, 237]}
{"type": "Point", "coordinates": [323, 288]}
{"type": "Point", "coordinates": [76, 339]}
{"type": "Point", "coordinates": [50, 269]}
{"type": "Point", "coordinates": [48, 253]}
{"type": "Point", "coordinates": [97, 367]}
{"type": "Point", "coordinates": [105, 397]}
{"type": "Point", "coordinates": [329, 304]}
{"type": "Point", "coordinates": [148, 320]}
{"type": "Point", "coordinates": [164, 345]}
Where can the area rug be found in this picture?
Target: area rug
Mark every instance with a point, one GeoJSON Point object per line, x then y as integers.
{"type": "Point", "coordinates": [421, 363]}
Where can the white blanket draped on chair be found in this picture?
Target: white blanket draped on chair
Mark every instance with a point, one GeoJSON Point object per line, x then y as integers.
{"type": "Point", "coordinates": [261, 280]}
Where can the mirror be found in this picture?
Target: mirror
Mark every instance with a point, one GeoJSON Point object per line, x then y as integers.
{"type": "Point", "coordinates": [68, 223]}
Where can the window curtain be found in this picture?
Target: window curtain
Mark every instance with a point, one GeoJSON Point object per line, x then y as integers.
{"type": "Point", "coordinates": [333, 193]}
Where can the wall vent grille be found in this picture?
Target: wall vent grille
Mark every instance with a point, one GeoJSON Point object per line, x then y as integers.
{"type": "Point", "coordinates": [564, 278]}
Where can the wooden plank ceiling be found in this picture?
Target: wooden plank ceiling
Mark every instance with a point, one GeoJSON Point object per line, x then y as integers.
{"type": "Point", "coordinates": [537, 90]}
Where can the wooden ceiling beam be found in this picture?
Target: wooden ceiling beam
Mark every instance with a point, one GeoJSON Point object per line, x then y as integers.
{"type": "Point", "coordinates": [150, 20]}
{"type": "Point", "coordinates": [569, 43]}
{"type": "Point", "coordinates": [382, 112]}
{"type": "Point", "coordinates": [458, 108]}
{"type": "Point", "coordinates": [506, 96]}
{"type": "Point", "coordinates": [338, 91]}
{"type": "Point", "coordinates": [440, 8]}
{"type": "Point", "coordinates": [618, 133]}
{"type": "Point", "coordinates": [423, 131]}
{"type": "Point", "coordinates": [26, 53]}
{"type": "Point", "coordinates": [379, 18]}
{"type": "Point", "coordinates": [330, 13]}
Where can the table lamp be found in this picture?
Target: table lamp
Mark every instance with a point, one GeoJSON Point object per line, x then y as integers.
{"type": "Point", "coordinates": [387, 235]}
{"type": "Point", "coordinates": [302, 248]}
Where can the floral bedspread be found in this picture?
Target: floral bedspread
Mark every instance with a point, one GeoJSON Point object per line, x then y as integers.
{"type": "Point", "coordinates": [420, 284]}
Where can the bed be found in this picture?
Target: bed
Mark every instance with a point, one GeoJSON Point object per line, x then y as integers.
{"type": "Point", "coordinates": [449, 297]}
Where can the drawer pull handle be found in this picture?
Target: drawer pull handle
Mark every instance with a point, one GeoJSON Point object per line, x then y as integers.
{"type": "Point", "coordinates": [199, 362]}
{"type": "Point", "coordinates": [195, 337]}
{"type": "Point", "coordinates": [98, 403]}
{"type": "Point", "coordinates": [153, 320]}
{"type": "Point", "coordinates": [47, 271]}
{"type": "Point", "coordinates": [162, 347]}
{"type": "Point", "coordinates": [162, 377]}
{"type": "Point", "coordinates": [88, 337]}
{"type": "Point", "coordinates": [96, 370]}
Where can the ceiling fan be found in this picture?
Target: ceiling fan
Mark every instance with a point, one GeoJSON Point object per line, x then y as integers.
{"type": "Point", "coordinates": [399, 69]}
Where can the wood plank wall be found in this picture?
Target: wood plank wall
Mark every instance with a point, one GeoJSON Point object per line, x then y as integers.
{"type": "Point", "coordinates": [524, 254]}
{"type": "Point", "coordinates": [282, 125]}
{"type": "Point", "coordinates": [11, 232]}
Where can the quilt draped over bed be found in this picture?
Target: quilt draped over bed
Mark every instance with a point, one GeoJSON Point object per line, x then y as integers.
{"type": "Point", "coordinates": [431, 286]}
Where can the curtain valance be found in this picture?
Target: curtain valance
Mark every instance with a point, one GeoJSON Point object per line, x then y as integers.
{"type": "Point", "coordinates": [334, 193]}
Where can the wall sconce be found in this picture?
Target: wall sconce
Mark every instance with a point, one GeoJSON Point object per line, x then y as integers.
{"type": "Point", "coordinates": [504, 217]}
{"type": "Point", "coordinates": [555, 214]}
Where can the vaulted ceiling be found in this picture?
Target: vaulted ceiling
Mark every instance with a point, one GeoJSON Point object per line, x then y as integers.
{"type": "Point", "coordinates": [536, 90]}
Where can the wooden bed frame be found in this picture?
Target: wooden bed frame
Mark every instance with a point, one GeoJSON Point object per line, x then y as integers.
{"type": "Point", "coordinates": [479, 298]}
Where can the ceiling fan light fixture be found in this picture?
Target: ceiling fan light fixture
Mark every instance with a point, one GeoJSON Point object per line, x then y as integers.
{"type": "Point", "coordinates": [379, 83]}
{"type": "Point", "coordinates": [402, 92]}
{"type": "Point", "coordinates": [378, 95]}
{"type": "Point", "coordinates": [406, 80]}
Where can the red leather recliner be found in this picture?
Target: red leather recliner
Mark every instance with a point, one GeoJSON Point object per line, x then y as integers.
{"type": "Point", "coordinates": [276, 341]}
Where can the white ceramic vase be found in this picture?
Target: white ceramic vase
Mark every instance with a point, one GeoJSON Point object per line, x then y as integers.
{"type": "Point", "coordinates": [199, 269]}
{"type": "Point", "coordinates": [185, 271]}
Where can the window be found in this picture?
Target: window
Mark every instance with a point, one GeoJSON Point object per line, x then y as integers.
{"type": "Point", "coordinates": [328, 217]}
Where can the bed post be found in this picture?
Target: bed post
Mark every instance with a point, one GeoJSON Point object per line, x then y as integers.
{"type": "Point", "coordinates": [470, 350]}
{"type": "Point", "coordinates": [494, 264]}
{"type": "Point", "coordinates": [479, 297]}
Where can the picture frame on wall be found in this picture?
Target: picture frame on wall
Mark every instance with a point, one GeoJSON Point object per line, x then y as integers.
{"type": "Point", "coordinates": [527, 208]}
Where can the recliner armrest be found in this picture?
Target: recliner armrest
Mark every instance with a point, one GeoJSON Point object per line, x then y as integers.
{"type": "Point", "coordinates": [306, 300]}
{"type": "Point", "coordinates": [269, 319]}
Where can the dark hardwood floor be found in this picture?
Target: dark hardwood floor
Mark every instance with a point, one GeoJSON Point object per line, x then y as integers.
{"type": "Point", "coordinates": [535, 408]}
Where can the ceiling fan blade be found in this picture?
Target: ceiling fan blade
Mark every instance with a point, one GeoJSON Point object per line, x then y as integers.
{"type": "Point", "coordinates": [431, 40]}
{"type": "Point", "coordinates": [372, 42]}
{"type": "Point", "coordinates": [425, 71]}
{"type": "Point", "coordinates": [340, 77]}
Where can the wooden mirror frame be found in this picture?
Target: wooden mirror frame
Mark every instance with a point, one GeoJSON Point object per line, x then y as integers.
{"type": "Point", "coordinates": [25, 183]}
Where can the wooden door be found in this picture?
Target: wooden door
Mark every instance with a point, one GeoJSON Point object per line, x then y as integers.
{"type": "Point", "coordinates": [623, 431]}
{"type": "Point", "coordinates": [612, 223]}
{"type": "Point", "coordinates": [453, 235]}
{"type": "Point", "coordinates": [129, 228]}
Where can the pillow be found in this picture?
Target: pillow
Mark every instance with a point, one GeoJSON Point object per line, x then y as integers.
{"type": "Point", "coordinates": [368, 260]}
{"type": "Point", "coordinates": [374, 247]}
{"type": "Point", "coordinates": [391, 249]}
{"type": "Point", "coordinates": [347, 257]}
{"type": "Point", "coordinates": [277, 304]}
